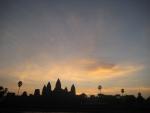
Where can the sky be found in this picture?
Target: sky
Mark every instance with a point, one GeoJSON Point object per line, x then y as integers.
{"type": "Point", "coordinates": [82, 42]}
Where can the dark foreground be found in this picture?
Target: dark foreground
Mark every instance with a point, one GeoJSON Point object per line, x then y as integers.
{"type": "Point", "coordinates": [74, 104]}
{"type": "Point", "coordinates": [78, 109]}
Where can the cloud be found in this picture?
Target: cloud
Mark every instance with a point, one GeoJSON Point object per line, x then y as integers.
{"type": "Point", "coordinates": [97, 69]}
{"type": "Point", "coordinates": [78, 70]}
{"type": "Point", "coordinates": [114, 71]}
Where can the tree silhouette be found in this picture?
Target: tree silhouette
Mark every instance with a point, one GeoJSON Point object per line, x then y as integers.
{"type": "Point", "coordinates": [140, 98]}
{"type": "Point", "coordinates": [122, 91]}
{"type": "Point", "coordinates": [6, 90]}
{"type": "Point", "coordinates": [1, 88]}
{"type": "Point", "coordinates": [100, 88]}
{"type": "Point", "coordinates": [1, 91]}
{"type": "Point", "coordinates": [24, 93]}
{"type": "Point", "coordinates": [19, 85]}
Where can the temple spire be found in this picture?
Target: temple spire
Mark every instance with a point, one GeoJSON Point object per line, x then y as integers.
{"type": "Point", "coordinates": [48, 88]}
{"type": "Point", "coordinates": [58, 85]}
{"type": "Point", "coordinates": [73, 90]}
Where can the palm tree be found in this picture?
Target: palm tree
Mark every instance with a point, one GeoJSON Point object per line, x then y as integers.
{"type": "Point", "coordinates": [19, 85]}
{"type": "Point", "coordinates": [122, 91]}
{"type": "Point", "coordinates": [100, 88]}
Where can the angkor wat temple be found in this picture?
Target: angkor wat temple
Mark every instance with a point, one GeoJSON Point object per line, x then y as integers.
{"type": "Point", "coordinates": [60, 99]}
{"type": "Point", "coordinates": [47, 90]}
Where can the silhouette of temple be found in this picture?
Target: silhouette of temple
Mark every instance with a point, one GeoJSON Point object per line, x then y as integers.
{"type": "Point", "coordinates": [47, 90]}
{"type": "Point", "coordinates": [37, 92]}
{"type": "Point", "coordinates": [65, 99]}
{"type": "Point", "coordinates": [73, 90]}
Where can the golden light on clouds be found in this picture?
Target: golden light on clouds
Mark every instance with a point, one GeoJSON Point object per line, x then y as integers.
{"type": "Point", "coordinates": [76, 70]}
{"type": "Point", "coordinates": [108, 72]}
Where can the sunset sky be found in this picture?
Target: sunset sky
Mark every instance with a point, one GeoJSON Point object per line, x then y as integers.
{"type": "Point", "coordinates": [85, 42]}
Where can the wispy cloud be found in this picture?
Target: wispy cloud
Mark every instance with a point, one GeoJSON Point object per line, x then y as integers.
{"type": "Point", "coordinates": [78, 70]}
{"type": "Point", "coordinates": [97, 69]}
